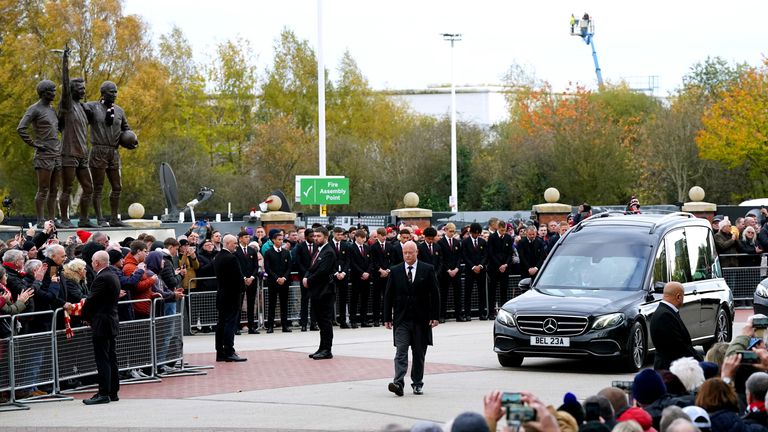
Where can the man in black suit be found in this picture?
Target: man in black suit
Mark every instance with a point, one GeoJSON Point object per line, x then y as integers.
{"type": "Point", "coordinates": [231, 283]}
{"type": "Point", "coordinates": [501, 252]}
{"type": "Point", "coordinates": [248, 258]}
{"type": "Point", "coordinates": [319, 281]}
{"type": "Point", "coordinates": [302, 260]}
{"type": "Point", "coordinates": [404, 235]}
{"type": "Point", "coordinates": [360, 275]}
{"type": "Point", "coordinates": [413, 293]}
{"type": "Point", "coordinates": [449, 276]}
{"type": "Point", "coordinates": [532, 252]}
{"type": "Point", "coordinates": [473, 249]}
{"type": "Point", "coordinates": [668, 331]}
{"type": "Point", "coordinates": [277, 264]}
{"type": "Point", "coordinates": [340, 276]}
{"type": "Point", "coordinates": [430, 252]}
{"type": "Point", "coordinates": [100, 309]}
{"type": "Point", "coordinates": [380, 263]}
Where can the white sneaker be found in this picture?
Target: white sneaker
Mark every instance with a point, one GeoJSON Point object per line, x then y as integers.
{"type": "Point", "coordinates": [136, 374]}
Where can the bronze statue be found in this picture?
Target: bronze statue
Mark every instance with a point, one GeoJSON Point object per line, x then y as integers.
{"type": "Point", "coordinates": [47, 159]}
{"type": "Point", "coordinates": [107, 122]}
{"type": "Point", "coordinates": [73, 123]}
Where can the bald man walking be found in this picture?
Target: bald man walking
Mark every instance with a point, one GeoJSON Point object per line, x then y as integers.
{"type": "Point", "coordinates": [411, 309]}
{"type": "Point", "coordinates": [668, 331]}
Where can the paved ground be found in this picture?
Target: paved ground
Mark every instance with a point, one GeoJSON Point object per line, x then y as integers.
{"type": "Point", "coordinates": [281, 389]}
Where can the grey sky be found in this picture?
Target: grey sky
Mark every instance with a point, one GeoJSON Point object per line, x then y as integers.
{"type": "Point", "coordinates": [397, 44]}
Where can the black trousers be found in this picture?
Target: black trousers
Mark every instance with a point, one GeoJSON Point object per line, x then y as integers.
{"type": "Point", "coordinates": [226, 326]}
{"type": "Point", "coordinates": [105, 355]}
{"type": "Point", "coordinates": [274, 290]}
{"type": "Point", "coordinates": [446, 283]}
{"type": "Point", "coordinates": [251, 292]}
{"type": "Point", "coordinates": [342, 294]}
{"type": "Point", "coordinates": [359, 300]}
{"type": "Point", "coordinates": [323, 307]}
{"type": "Point", "coordinates": [472, 280]}
{"type": "Point", "coordinates": [500, 280]}
{"type": "Point", "coordinates": [305, 312]}
{"type": "Point", "coordinates": [410, 335]}
{"type": "Point", "coordinates": [379, 285]}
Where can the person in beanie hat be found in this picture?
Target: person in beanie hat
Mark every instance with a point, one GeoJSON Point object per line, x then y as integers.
{"type": "Point", "coordinates": [640, 416]}
{"type": "Point", "coordinates": [114, 256]}
{"type": "Point", "coordinates": [572, 406]}
{"type": "Point", "coordinates": [648, 387]}
{"type": "Point", "coordinates": [83, 235]}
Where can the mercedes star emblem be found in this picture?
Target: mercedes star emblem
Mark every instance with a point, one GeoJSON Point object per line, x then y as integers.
{"type": "Point", "coordinates": [550, 325]}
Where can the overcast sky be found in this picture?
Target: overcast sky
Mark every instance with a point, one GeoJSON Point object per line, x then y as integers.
{"type": "Point", "coordinates": [397, 43]}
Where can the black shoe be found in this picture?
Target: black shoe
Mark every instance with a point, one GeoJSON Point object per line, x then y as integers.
{"type": "Point", "coordinates": [234, 358]}
{"type": "Point", "coordinates": [114, 398]}
{"type": "Point", "coordinates": [335, 323]}
{"type": "Point", "coordinates": [315, 353]}
{"type": "Point", "coordinates": [323, 355]}
{"type": "Point", "coordinates": [102, 223]}
{"type": "Point", "coordinates": [269, 331]}
{"type": "Point", "coordinates": [303, 328]}
{"type": "Point", "coordinates": [365, 325]}
{"type": "Point", "coordinates": [483, 318]}
{"type": "Point", "coordinates": [251, 331]}
{"type": "Point", "coordinates": [460, 319]}
{"type": "Point", "coordinates": [96, 400]}
{"type": "Point", "coordinates": [221, 358]}
{"type": "Point", "coordinates": [344, 325]}
{"type": "Point", "coordinates": [467, 318]}
{"type": "Point", "coordinates": [117, 223]}
{"type": "Point", "coordinates": [395, 388]}
{"type": "Point", "coordinates": [86, 223]}
{"type": "Point", "coordinates": [354, 326]}
{"type": "Point", "coordinates": [287, 330]}
{"type": "Point", "coordinates": [376, 323]}
{"type": "Point", "coordinates": [417, 390]}
{"type": "Point", "coordinates": [238, 332]}
{"type": "Point", "coordinates": [441, 320]}
{"type": "Point", "coordinates": [314, 327]}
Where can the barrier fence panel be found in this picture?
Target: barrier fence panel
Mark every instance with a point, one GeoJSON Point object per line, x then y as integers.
{"type": "Point", "coordinates": [74, 357]}
{"type": "Point", "coordinates": [6, 375]}
{"type": "Point", "coordinates": [168, 340]}
{"type": "Point", "coordinates": [743, 281]}
{"type": "Point", "coordinates": [202, 309]}
{"type": "Point", "coordinates": [136, 345]}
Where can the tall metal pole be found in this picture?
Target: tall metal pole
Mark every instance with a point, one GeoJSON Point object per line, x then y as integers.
{"type": "Point", "coordinates": [453, 201]}
{"type": "Point", "coordinates": [320, 91]}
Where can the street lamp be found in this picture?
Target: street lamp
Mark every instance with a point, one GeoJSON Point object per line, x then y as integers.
{"type": "Point", "coordinates": [453, 201]}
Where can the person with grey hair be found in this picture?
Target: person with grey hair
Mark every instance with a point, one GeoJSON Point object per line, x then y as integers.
{"type": "Point", "coordinates": [757, 387]}
{"type": "Point", "coordinates": [13, 262]}
{"type": "Point", "coordinates": [51, 294]}
{"type": "Point", "coordinates": [228, 302]}
{"type": "Point", "coordinates": [627, 426]}
{"type": "Point", "coordinates": [669, 415]}
{"type": "Point", "coordinates": [682, 425]}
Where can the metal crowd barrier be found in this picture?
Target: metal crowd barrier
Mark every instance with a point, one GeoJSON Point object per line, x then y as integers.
{"type": "Point", "coordinates": [6, 374]}
{"type": "Point", "coordinates": [743, 280]}
{"type": "Point", "coordinates": [169, 342]}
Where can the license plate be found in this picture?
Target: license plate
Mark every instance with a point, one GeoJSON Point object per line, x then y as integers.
{"type": "Point", "coordinates": [550, 341]}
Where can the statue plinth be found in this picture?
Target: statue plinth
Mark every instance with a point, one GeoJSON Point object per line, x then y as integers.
{"type": "Point", "coordinates": [420, 217]}
{"type": "Point", "coordinates": [545, 213]}
{"type": "Point", "coordinates": [278, 220]}
{"type": "Point", "coordinates": [701, 209]}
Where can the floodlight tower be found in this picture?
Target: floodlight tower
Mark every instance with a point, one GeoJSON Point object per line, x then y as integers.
{"type": "Point", "coordinates": [586, 31]}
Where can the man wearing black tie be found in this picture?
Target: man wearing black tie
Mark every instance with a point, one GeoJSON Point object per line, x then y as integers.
{"type": "Point", "coordinates": [473, 250]}
{"type": "Point", "coordinates": [668, 331]}
{"type": "Point", "coordinates": [248, 258]}
{"type": "Point", "coordinates": [277, 265]}
{"type": "Point", "coordinates": [229, 300]}
{"type": "Point", "coordinates": [302, 260]}
{"type": "Point", "coordinates": [449, 276]}
{"type": "Point", "coordinates": [430, 252]}
{"type": "Point", "coordinates": [100, 309]}
{"type": "Point", "coordinates": [319, 282]}
{"type": "Point", "coordinates": [341, 278]}
{"type": "Point", "coordinates": [360, 275]}
{"type": "Point", "coordinates": [501, 253]}
{"type": "Point", "coordinates": [411, 308]}
{"type": "Point", "coordinates": [380, 262]}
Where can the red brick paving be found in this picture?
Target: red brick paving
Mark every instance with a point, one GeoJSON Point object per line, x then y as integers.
{"type": "Point", "coordinates": [267, 370]}
{"type": "Point", "coordinates": [743, 314]}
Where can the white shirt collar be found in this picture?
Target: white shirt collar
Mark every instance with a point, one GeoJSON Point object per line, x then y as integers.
{"type": "Point", "coordinates": [671, 306]}
{"type": "Point", "coordinates": [406, 265]}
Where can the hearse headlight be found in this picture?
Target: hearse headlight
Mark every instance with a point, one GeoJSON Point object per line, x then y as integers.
{"type": "Point", "coordinates": [762, 290]}
{"type": "Point", "coordinates": [608, 321]}
{"type": "Point", "coordinates": [505, 318]}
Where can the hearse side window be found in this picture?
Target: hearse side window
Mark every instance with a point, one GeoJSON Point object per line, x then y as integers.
{"type": "Point", "coordinates": [677, 257]}
{"type": "Point", "coordinates": [660, 266]}
{"type": "Point", "coordinates": [716, 271]}
{"type": "Point", "coordinates": [699, 253]}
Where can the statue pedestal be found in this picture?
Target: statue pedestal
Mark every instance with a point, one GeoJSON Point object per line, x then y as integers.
{"type": "Point", "coordinates": [142, 223]}
{"type": "Point", "coordinates": [420, 217]}
{"type": "Point", "coordinates": [278, 220]}
{"type": "Point", "coordinates": [701, 209]}
{"type": "Point", "coordinates": [545, 213]}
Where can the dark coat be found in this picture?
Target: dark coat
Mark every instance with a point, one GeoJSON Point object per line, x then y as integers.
{"type": "Point", "coordinates": [417, 302]}
{"type": "Point", "coordinates": [342, 255]}
{"type": "Point", "coordinates": [532, 254]}
{"type": "Point", "coordinates": [670, 337]}
{"type": "Point", "coordinates": [302, 258]}
{"type": "Point", "coordinates": [75, 291]}
{"type": "Point", "coordinates": [50, 296]}
{"type": "Point", "coordinates": [473, 256]}
{"type": "Point", "coordinates": [320, 280]}
{"type": "Point", "coordinates": [501, 250]}
{"type": "Point", "coordinates": [230, 280]}
{"type": "Point", "coordinates": [396, 253]}
{"type": "Point", "coordinates": [381, 258]}
{"type": "Point", "coordinates": [249, 263]}
{"type": "Point", "coordinates": [435, 258]}
{"type": "Point", "coordinates": [277, 265]}
{"type": "Point", "coordinates": [725, 244]}
{"type": "Point", "coordinates": [100, 308]}
{"type": "Point", "coordinates": [359, 263]}
{"type": "Point", "coordinates": [451, 255]}
{"type": "Point", "coordinates": [729, 421]}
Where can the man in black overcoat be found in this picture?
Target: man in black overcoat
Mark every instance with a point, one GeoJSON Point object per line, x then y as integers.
{"type": "Point", "coordinates": [319, 281]}
{"type": "Point", "coordinates": [411, 308]}
{"type": "Point", "coordinates": [668, 331]}
{"type": "Point", "coordinates": [228, 299]}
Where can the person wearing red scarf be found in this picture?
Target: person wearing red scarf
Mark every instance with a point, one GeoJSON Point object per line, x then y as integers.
{"type": "Point", "coordinates": [757, 386]}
